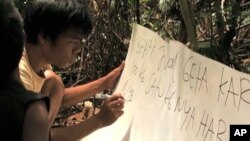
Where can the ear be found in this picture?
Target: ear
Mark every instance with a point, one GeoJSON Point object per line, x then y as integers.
{"type": "Point", "coordinates": [42, 41]}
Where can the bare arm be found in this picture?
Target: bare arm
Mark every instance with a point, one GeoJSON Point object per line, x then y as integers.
{"type": "Point", "coordinates": [110, 112]}
{"type": "Point", "coordinates": [54, 88]}
{"type": "Point", "coordinates": [35, 127]}
{"type": "Point", "coordinates": [59, 96]}
{"type": "Point", "coordinates": [78, 93]}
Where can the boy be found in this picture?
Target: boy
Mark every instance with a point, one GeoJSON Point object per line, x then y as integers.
{"type": "Point", "coordinates": [54, 31]}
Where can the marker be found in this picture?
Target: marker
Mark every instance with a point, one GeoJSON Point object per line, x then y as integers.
{"type": "Point", "coordinates": [101, 96]}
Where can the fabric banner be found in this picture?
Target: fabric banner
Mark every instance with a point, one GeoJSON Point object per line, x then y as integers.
{"type": "Point", "coordinates": [175, 94]}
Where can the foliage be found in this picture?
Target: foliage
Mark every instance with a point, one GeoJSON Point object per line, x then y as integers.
{"type": "Point", "coordinates": [220, 30]}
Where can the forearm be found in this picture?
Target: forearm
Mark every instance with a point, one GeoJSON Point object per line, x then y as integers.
{"type": "Point", "coordinates": [75, 94]}
{"type": "Point", "coordinates": [111, 110]}
{"type": "Point", "coordinates": [76, 132]}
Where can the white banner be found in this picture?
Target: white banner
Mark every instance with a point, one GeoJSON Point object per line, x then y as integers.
{"type": "Point", "coordinates": [175, 94]}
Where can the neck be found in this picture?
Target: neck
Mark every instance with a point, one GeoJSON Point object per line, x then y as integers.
{"type": "Point", "coordinates": [36, 57]}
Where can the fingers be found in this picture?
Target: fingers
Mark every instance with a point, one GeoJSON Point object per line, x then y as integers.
{"type": "Point", "coordinates": [115, 103]}
{"type": "Point", "coordinates": [112, 109]}
{"type": "Point", "coordinates": [120, 68]}
{"type": "Point", "coordinates": [111, 78]}
{"type": "Point", "coordinates": [115, 97]}
{"type": "Point", "coordinates": [119, 113]}
{"type": "Point", "coordinates": [49, 74]}
{"type": "Point", "coordinates": [122, 65]}
{"type": "Point", "coordinates": [117, 109]}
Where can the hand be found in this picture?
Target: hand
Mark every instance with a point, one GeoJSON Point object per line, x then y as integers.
{"type": "Point", "coordinates": [49, 74]}
{"type": "Point", "coordinates": [52, 84]}
{"type": "Point", "coordinates": [111, 109]}
{"type": "Point", "coordinates": [111, 78]}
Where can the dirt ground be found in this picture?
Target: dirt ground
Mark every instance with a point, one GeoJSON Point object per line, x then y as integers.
{"type": "Point", "coordinates": [72, 115]}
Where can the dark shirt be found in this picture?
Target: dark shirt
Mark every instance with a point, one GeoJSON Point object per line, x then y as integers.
{"type": "Point", "coordinates": [14, 101]}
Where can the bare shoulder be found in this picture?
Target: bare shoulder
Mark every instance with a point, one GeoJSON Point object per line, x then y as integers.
{"type": "Point", "coordinates": [35, 126]}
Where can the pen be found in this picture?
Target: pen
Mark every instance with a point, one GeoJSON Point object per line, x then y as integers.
{"type": "Point", "coordinates": [101, 96]}
{"type": "Point", "coordinates": [104, 96]}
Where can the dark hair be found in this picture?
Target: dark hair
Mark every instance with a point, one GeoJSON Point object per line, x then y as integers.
{"type": "Point", "coordinates": [11, 39]}
{"type": "Point", "coordinates": [52, 17]}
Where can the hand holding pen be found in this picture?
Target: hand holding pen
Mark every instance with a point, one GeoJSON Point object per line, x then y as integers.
{"type": "Point", "coordinates": [111, 109]}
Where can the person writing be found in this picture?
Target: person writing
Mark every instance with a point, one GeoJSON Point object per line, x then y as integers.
{"type": "Point", "coordinates": [54, 31]}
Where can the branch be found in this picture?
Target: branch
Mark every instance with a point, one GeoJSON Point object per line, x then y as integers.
{"type": "Point", "coordinates": [189, 23]}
